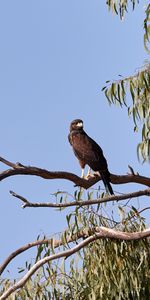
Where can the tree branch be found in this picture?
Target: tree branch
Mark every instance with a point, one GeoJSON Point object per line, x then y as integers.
{"type": "Point", "coordinates": [56, 244]}
{"type": "Point", "coordinates": [19, 169]}
{"type": "Point", "coordinates": [82, 203]}
{"type": "Point", "coordinates": [98, 233]}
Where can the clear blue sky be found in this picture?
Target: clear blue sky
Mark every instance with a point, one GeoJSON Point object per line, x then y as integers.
{"type": "Point", "coordinates": [55, 57]}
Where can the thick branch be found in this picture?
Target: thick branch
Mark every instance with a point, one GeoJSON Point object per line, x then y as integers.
{"type": "Point", "coordinates": [55, 243]}
{"type": "Point", "coordinates": [19, 169]}
{"type": "Point", "coordinates": [82, 203]}
{"type": "Point", "coordinates": [100, 232]}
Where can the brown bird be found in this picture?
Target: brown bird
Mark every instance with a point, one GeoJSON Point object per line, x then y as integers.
{"type": "Point", "coordinates": [89, 153]}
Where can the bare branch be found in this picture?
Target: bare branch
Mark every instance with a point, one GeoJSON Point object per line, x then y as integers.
{"type": "Point", "coordinates": [19, 169]}
{"type": "Point", "coordinates": [142, 210]}
{"type": "Point", "coordinates": [82, 203]}
{"type": "Point", "coordinates": [131, 170]}
{"type": "Point", "coordinates": [56, 244]}
{"type": "Point", "coordinates": [100, 232]}
{"type": "Point", "coordinates": [10, 164]}
{"type": "Point", "coordinates": [19, 251]}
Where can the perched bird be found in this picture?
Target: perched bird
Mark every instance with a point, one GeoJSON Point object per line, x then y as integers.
{"type": "Point", "coordinates": [89, 153]}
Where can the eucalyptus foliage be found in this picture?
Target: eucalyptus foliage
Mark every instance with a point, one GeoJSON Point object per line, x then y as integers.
{"type": "Point", "coordinates": [147, 29]}
{"type": "Point", "coordinates": [105, 269]}
{"type": "Point", "coordinates": [121, 7]}
{"type": "Point", "coordinates": [137, 85]}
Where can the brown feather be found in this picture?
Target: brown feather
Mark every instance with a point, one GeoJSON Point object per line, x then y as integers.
{"type": "Point", "coordinates": [89, 153]}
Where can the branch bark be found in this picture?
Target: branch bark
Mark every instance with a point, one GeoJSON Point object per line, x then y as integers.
{"type": "Point", "coordinates": [56, 244]}
{"type": "Point", "coordinates": [27, 203]}
{"type": "Point", "coordinates": [100, 232]}
{"type": "Point", "coordinates": [19, 169]}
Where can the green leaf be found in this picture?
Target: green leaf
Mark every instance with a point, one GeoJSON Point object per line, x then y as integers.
{"type": "Point", "coordinates": [103, 88]}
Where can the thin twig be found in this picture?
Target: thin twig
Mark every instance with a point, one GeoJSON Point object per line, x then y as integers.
{"type": "Point", "coordinates": [137, 213]}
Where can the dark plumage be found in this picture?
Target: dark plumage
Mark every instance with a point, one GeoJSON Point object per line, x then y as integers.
{"type": "Point", "coordinates": [89, 152]}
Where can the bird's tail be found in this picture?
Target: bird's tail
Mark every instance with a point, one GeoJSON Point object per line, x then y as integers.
{"type": "Point", "coordinates": [105, 175]}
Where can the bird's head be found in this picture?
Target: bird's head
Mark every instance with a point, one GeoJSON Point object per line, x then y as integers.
{"type": "Point", "coordinates": [76, 125]}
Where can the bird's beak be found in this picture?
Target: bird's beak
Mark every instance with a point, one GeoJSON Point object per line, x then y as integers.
{"type": "Point", "coordinates": [80, 124]}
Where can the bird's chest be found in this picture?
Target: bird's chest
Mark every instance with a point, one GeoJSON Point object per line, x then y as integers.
{"type": "Point", "coordinates": [77, 139]}
{"type": "Point", "coordinates": [81, 145]}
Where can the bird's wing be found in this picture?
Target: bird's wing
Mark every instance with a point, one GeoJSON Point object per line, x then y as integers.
{"type": "Point", "coordinates": [87, 149]}
{"type": "Point", "coordinates": [70, 139]}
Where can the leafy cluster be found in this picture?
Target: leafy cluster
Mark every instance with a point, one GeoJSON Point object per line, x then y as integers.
{"type": "Point", "coordinates": [121, 7]}
{"type": "Point", "coordinates": [147, 29]}
{"type": "Point", "coordinates": [105, 269]}
{"type": "Point", "coordinates": [138, 85]}
{"type": "Point", "coordinates": [139, 88]}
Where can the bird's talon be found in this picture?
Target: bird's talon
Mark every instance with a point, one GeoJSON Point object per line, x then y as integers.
{"type": "Point", "coordinates": [88, 176]}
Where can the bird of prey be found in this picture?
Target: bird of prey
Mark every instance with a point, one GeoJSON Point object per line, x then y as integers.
{"type": "Point", "coordinates": [89, 153]}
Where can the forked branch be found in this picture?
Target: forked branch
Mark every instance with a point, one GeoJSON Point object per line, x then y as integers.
{"type": "Point", "coordinates": [19, 169]}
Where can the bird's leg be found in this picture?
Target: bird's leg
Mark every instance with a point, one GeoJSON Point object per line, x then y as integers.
{"type": "Point", "coordinates": [82, 173]}
{"type": "Point", "coordinates": [88, 173]}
